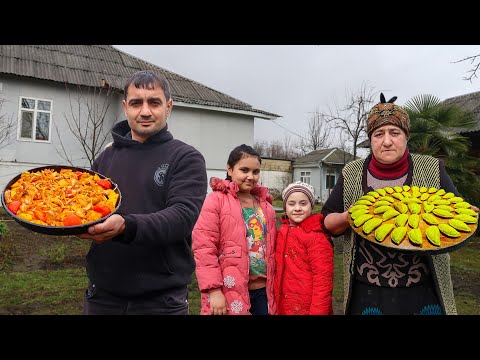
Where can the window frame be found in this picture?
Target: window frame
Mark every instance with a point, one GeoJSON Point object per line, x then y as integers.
{"type": "Point", "coordinates": [326, 181]}
{"type": "Point", "coordinates": [35, 111]}
{"type": "Point", "coordinates": [303, 177]}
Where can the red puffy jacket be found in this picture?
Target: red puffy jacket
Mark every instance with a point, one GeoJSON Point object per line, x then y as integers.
{"type": "Point", "coordinates": [303, 269]}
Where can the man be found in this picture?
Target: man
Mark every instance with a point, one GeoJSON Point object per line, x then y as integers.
{"type": "Point", "coordinates": [141, 260]}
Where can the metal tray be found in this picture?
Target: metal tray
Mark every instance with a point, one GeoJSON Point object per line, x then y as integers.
{"type": "Point", "coordinates": [59, 230]}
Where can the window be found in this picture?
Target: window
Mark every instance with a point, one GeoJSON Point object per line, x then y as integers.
{"type": "Point", "coordinates": [329, 181]}
{"type": "Point", "coordinates": [35, 119]}
{"type": "Point", "coordinates": [305, 176]}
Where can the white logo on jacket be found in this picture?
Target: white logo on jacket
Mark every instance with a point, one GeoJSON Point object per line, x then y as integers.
{"type": "Point", "coordinates": [160, 174]}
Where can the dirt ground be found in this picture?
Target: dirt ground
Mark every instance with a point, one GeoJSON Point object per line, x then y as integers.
{"type": "Point", "coordinates": [34, 251]}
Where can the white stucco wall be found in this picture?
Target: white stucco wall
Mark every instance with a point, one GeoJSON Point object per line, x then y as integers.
{"type": "Point", "coordinates": [314, 176]}
{"type": "Point", "coordinates": [318, 178]}
{"type": "Point", "coordinates": [215, 134]}
{"type": "Point", "coordinates": [275, 179]}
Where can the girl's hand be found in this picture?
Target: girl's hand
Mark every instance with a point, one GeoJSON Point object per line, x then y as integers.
{"type": "Point", "coordinates": [218, 303]}
{"type": "Point", "coordinates": [474, 208]}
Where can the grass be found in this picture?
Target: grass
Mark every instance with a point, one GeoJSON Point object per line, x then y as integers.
{"type": "Point", "coordinates": [338, 281]}
{"type": "Point", "coordinates": [466, 258]}
{"type": "Point", "coordinates": [194, 302]}
{"type": "Point", "coordinates": [465, 268]}
{"type": "Point", "coordinates": [7, 248]}
{"type": "Point", "coordinates": [55, 253]}
{"type": "Point", "coordinates": [61, 291]}
{"type": "Point", "coordinates": [42, 291]}
{"type": "Point", "coordinates": [3, 230]}
{"type": "Point", "coordinates": [467, 304]}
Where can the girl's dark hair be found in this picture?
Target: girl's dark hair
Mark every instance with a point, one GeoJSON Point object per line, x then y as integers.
{"type": "Point", "coordinates": [240, 152]}
{"type": "Point", "coordinates": [147, 79]}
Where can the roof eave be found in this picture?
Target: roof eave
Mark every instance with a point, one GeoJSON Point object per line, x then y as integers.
{"type": "Point", "coordinates": [252, 112]}
{"type": "Point", "coordinates": [307, 164]}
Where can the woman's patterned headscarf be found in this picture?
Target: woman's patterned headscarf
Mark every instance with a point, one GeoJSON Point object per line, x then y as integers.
{"type": "Point", "coordinates": [387, 113]}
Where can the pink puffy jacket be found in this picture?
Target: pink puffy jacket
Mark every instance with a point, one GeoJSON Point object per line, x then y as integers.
{"type": "Point", "coordinates": [221, 250]}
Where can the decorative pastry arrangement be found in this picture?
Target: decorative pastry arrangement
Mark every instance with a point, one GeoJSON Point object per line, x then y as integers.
{"type": "Point", "coordinates": [413, 218]}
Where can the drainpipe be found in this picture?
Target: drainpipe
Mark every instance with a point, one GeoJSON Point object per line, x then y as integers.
{"type": "Point", "coordinates": [320, 193]}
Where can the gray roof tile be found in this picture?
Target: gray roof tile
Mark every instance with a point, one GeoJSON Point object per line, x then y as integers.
{"type": "Point", "coordinates": [469, 102]}
{"type": "Point", "coordinates": [327, 156]}
{"type": "Point", "coordinates": [88, 64]}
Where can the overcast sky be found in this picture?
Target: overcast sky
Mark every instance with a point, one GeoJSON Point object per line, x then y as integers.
{"type": "Point", "coordinates": [295, 80]}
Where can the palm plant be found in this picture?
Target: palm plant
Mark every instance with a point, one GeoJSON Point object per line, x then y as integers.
{"type": "Point", "coordinates": [434, 131]}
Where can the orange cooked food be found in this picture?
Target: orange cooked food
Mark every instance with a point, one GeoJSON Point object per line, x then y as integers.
{"type": "Point", "coordinates": [65, 198]}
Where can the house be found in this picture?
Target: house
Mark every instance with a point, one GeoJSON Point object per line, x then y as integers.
{"type": "Point", "coordinates": [43, 88]}
{"type": "Point", "coordinates": [470, 102]}
{"type": "Point", "coordinates": [321, 169]}
{"type": "Point", "coordinates": [276, 174]}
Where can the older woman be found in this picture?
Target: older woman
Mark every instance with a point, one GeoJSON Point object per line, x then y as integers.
{"type": "Point", "coordinates": [377, 280]}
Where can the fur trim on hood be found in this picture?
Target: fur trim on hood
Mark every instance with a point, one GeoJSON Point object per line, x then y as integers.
{"type": "Point", "coordinates": [227, 186]}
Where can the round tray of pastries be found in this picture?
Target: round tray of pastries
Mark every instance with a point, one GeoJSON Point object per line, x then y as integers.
{"type": "Point", "coordinates": [413, 219]}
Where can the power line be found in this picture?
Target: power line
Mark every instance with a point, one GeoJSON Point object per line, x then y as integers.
{"type": "Point", "coordinates": [290, 131]}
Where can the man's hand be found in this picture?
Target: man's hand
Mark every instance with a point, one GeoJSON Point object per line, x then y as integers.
{"type": "Point", "coordinates": [106, 230]}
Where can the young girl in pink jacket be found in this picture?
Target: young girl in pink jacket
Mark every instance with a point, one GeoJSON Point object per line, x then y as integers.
{"type": "Point", "coordinates": [234, 241]}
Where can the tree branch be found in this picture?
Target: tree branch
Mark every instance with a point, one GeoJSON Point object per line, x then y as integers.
{"type": "Point", "coordinates": [7, 127]}
{"type": "Point", "coordinates": [474, 69]}
{"type": "Point", "coordinates": [89, 121]}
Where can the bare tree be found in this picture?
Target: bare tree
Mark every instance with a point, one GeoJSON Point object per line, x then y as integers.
{"type": "Point", "coordinates": [90, 120]}
{"type": "Point", "coordinates": [277, 149]}
{"type": "Point", "coordinates": [317, 136]}
{"type": "Point", "coordinates": [7, 127]}
{"type": "Point", "coordinates": [351, 118]}
{"type": "Point", "coordinates": [475, 61]}
{"type": "Point", "coordinates": [345, 147]}
{"type": "Point", "coordinates": [289, 148]}
{"type": "Point", "coordinates": [261, 147]}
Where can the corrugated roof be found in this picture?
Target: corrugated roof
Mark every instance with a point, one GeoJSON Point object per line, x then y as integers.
{"type": "Point", "coordinates": [470, 102]}
{"type": "Point", "coordinates": [327, 156]}
{"type": "Point", "coordinates": [364, 144]}
{"type": "Point", "coordinates": [88, 64]}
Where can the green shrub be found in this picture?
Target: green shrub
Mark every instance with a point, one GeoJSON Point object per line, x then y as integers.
{"type": "Point", "coordinates": [3, 229]}
{"type": "Point", "coordinates": [7, 249]}
{"type": "Point", "coordinates": [55, 254]}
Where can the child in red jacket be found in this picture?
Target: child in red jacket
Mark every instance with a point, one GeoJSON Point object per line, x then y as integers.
{"type": "Point", "coordinates": [303, 257]}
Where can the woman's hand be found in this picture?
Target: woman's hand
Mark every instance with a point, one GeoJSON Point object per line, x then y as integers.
{"type": "Point", "coordinates": [336, 223]}
{"type": "Point", "coordinates": [218, 303]}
